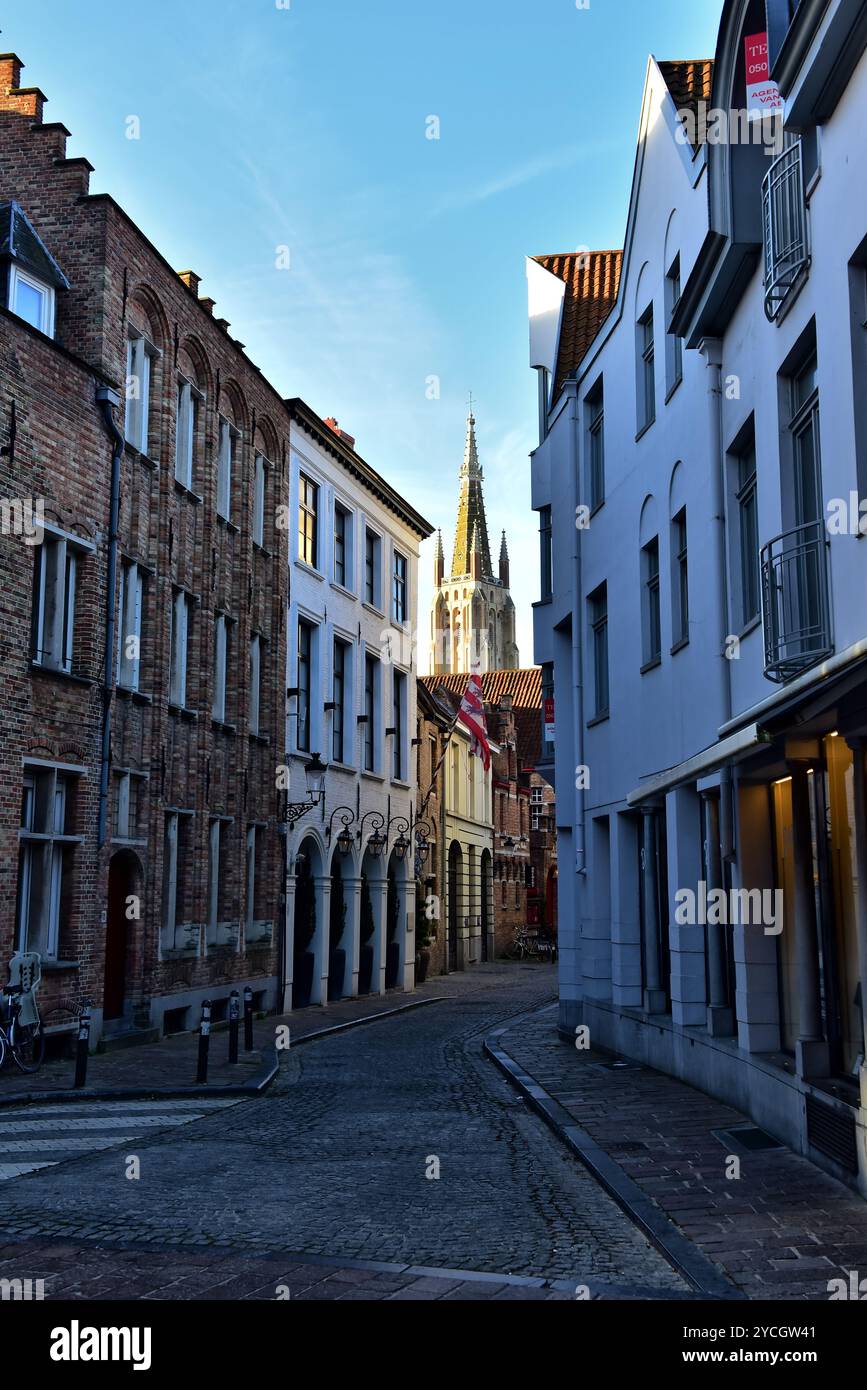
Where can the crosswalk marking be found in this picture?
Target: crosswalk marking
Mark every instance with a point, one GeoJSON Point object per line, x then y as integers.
{"type": "Point", "coordinates": [79, 1128]}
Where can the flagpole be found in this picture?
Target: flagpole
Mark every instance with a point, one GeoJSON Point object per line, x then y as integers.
{"type": "Point", "coordinates": [436, 771]}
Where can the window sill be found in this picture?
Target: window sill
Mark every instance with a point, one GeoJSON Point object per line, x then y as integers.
{"type": "Point", "coordinates": [136, 453]}
{"type": "Point", "coordinates": [602, 718]}
{"type": "Point", "coordinates": [644, 428]}
{"type": "Point", "coordinates": [184, 491]}
{"type": "Point", "coordinates": [138, 697]}
{"type": "Point", "coordinates": [180, 953]}
{"type": "Point", "coordinates": [543, 602]}
{"type": "Point", "coordinates": [230, 526]}
{"type": "Point", "coordinates": [342, 589]}
{"type": "Point", "coordinates": [50, 966]}
{"type": "Point", "coordinates": [679, 646]}
{"type": "Point", "coordinates": [372, 776]}
{"type": "Point", "coordinates": [372, 608]}
{"type": "Point", "coordinates": [124, 840]}
{"type": "Point", "coordinates": [673, 389]}
{"type": "Point", "coordinates": [401, 783]}
{"type": "Point", "coordinates": [650, 665]}
{"type": "Point", "coordinates": [263, 739]}
{"type": "Point", "coordinates": [189, 714]}
{"type": "Point", "coordinates": [60, 674]}
{"type": "Point", "coordinates": [262, 550]}
{"type": "Point", "coordinates": [338, 765]}
{"type": "Point", "coordinates": [222, 727]}
{"type": "Point", "coordinates": [750, 627]}
{"type": "Point", "coordinates": [309, 569]}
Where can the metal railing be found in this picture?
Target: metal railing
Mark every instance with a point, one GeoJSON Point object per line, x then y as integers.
{"type": "Point", "coordinates": [796, 613]}
{"type": "Point", "coordinates": [784, 217]}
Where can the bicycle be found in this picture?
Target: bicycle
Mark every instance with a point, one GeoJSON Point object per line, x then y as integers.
{"type": "Point", "coordinates": [23, 1040]}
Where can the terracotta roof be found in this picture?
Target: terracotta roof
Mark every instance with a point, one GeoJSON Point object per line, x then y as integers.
{"type": "Point", "coordinates": [592, 279]}
{"type": "Point", "coordinates": [689, 81]}
{"type": "Point", "coordinates": [525, 687]}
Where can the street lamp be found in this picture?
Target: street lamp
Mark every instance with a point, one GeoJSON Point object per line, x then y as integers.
{"type": "Point", "coordinates": [314, 772]}
{"type": "Point", "coordinates": [377, 842]}
{"type": "Point", "coordinates": [346, 839]}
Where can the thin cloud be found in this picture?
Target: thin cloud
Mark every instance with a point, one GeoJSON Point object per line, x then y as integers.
{"type": "Point", "coordinates": [516, 178]}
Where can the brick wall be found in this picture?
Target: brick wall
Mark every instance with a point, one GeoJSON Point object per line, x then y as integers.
{"type": "Point", "coordinates": [120, 283]}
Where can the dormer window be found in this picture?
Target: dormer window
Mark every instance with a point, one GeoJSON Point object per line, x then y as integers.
{"type": "Point", "coordinates": [29, 275]}
{"type": "Point", "coordinates": [32, 300]}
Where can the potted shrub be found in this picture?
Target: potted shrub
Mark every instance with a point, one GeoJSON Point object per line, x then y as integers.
{"type": "Point", "coordinates": [392, 949]}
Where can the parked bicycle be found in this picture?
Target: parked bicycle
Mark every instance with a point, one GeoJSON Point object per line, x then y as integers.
{"type": "Point", "coordinates": [534, 944]}
{"type": "Point", "coordinates": [22, 1035]}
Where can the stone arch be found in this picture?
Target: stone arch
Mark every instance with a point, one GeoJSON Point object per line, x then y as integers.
{"type": "Point", "coordinates": [671, 244]}
{"type": "Point", "coordinates": [648, 524]}
{"type": "Point", "coordinates": [677, 489]}
{"type": "Point", "coordinates": [193, 363]}
{"type": "Point", "coordinates": [145, 312]}
{"type": "Point", "coordinates": [308, 922]}
{"type": "Point", "coordinates": [643, 291]}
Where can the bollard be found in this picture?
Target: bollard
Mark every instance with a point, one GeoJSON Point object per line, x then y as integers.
{"type": "Point", "coordinates": [234, 1014]}
{"type": "Point", "coordinates": [204, 1043]}
{"type": "Point", "coordinates": [248, 1019]}
{"type": "Point", "coordinates": [82, 1051]}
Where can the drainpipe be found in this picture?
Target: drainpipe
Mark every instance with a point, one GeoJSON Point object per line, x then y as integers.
{"type": "Point", "coordinates": [577, 656]}
{"type": "Point", "coordinates": [107, 400]}
{"type": "Point", "coordinates": [711, 348]}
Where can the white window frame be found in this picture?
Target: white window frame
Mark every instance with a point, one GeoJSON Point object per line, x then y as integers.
{"type": "Point", "coordinates": [130, 607]}
{"type": "Point", "coordinates": [221, 655]}
{"type": "Point", "coordinates": [260, 483]}
{"type": "Point", "coordinates": [54, 602]}
{"type": "Point", "coordinates": [399, 586]}
{"type": "Point", "coordinates": [374, 599]}
{"type": "Point", "coordinates": [255, 681]}
{"type": "Point", "coordinates": [228, 436]}
{"type": "Point", "coordinates": [50, 840]}
{"type": "Point", "coordinates": [186, 423]}
{"type": "Point", "coordinates": [22, 277]}
{"type": "Point", "coordinates": [181, 606]}
{"type": "Point", "coordinates": [140, 354]}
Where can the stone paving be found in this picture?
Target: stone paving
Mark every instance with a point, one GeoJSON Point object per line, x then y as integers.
{"type": "Point", "coordinates": [782, 1230]}
{"type": "Point", "coordinates": [332, 1162]}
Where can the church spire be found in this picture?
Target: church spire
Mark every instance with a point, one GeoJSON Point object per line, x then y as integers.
{"type": "Point", "coordinates": [504, 563]}
{"type": "Point", "coordinates": [439, 560]}
{"type": "Point", "coordinates": [471, 511]}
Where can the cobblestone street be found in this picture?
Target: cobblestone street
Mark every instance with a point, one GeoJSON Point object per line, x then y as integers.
{"type": "Point", "coordinates": [332, 1163]}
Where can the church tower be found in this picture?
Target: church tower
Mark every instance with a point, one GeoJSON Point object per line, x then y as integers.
{"type": "Point", "coordinates": [472, 615]}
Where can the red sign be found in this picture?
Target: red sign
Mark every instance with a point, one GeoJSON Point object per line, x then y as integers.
{"type": "Point", "coordinates": [763, 95]}
{"type": "Point", "coordinates": [549, 719]}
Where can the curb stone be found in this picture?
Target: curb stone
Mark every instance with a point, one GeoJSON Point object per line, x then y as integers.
{"type": "Point", "coordinates": [700, 1273]}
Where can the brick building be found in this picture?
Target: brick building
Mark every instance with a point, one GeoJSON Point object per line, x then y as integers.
{"type": "Point", "coordinates": [143, 647]}
{"type": "Point", "coordinates": [523, 803]}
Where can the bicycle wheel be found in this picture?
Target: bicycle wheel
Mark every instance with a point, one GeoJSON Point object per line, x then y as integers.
{"type": "Point", "coordinates": [27, 1044]}
{"type": "Point", "coordinates": [2, 1049]}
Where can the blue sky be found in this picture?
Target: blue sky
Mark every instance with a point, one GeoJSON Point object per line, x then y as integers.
{"type": "Point", "coordinates": [304, 127]}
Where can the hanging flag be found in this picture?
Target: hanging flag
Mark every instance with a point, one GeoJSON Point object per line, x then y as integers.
{"type": "Point", "coordinates": [472, 716]}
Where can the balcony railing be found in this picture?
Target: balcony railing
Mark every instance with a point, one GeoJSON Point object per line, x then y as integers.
{"type": "Point", "coordinates": [796, 611]}
{"type": "Point", "coordinates": [784, 213]}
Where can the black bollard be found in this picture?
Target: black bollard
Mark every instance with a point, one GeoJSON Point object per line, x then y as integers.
{"type": "Point", "coordinates": [82, 1051]}
{"type": "Point", "coordinates": [204, 1043]}
{"type": "Point", "coordinates": [248, 1019]}
{"type": "Point", "coordinates": [234, 1015]}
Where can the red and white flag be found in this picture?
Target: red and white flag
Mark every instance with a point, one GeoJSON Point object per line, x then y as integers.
{"type": "Point", "coordinates": [472, 716]}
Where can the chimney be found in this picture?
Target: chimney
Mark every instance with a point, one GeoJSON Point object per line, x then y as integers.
{"type": "Point", "coordinates": [207, 304]}
{"type": "Point", "coordinates": [348, 439]}
{"type": "Point", "coordinates": [191, 280]}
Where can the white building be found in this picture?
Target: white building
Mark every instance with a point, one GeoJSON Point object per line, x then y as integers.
{"type": "Point", "coordinates": [706, 633]}
{"type": "Point", "coordinates": [351, 698]}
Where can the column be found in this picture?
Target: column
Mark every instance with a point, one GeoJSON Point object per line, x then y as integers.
{"type": "Point", "coordinates": [720, 1019]}
{"type": "Point", "coordinates": [285, 1004]}
{"type": "Point", "coordinates": [322, 889]}
{"type": "Point", "coordinates": [654, 995]}
{"type": "Point", "coordinates": [860, 811]}
{"type": "Point", "coordinates": [352, 934]}
{"type": "Point", "coordinates": [379, 902]}
{"type": "Point", "coordinates": [811, 1051]}
{"type": "Point", "coordinates": [406, 972]}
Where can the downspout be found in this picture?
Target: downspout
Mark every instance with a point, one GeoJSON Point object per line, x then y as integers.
{"type": "Point", "coordinates": [712, 351]}
{"type": "Point", "coordinates": [577, 656]}
{"type": "Point", "coordinates": [107, 400]}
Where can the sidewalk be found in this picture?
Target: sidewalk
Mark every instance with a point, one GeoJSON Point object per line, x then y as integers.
{"type": "Point", "coordinates": [168, 1067]}
{"type": "Point", "coordinates": [782, 1230]}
